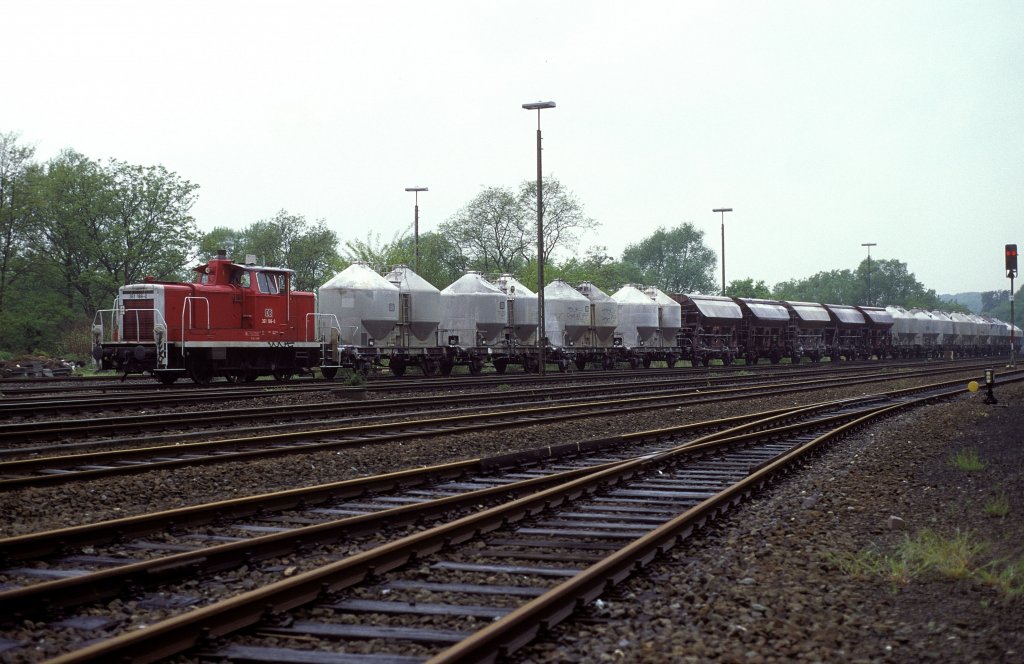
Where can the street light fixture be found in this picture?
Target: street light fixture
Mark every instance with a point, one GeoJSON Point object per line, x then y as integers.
{"type": "Point", "coordinates": [869, 245]}
{"type": "Point", "coordinates": [723, 211]}
{"type": "Point", "coordinates": [541, 337]}
{"type": "Point", "coordinates": [416, 226]}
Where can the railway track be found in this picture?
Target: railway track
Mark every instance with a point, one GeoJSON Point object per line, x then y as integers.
{"type": "Point", "coordinates": [23, 398]}
{"type": "Point", "coordinates": [544, 541]}
{"type": "Point", "coordinates": [49, 470]}
{"type": "Point", "coordinates": [18, 433]}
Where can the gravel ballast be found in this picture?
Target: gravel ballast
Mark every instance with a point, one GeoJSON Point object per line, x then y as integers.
{"type": "Point", "coordinates": [765, 583]}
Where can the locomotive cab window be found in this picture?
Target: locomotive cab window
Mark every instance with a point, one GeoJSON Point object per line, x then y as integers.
{"type": "Point", "coordinates": [240, 278]}
{"type": "Point", "coordinates": [270, 283]}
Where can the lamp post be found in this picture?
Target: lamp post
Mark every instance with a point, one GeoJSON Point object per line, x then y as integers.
{"type": "Point", "coordinates": [416, 225]}
{"type": "Point", "coordinates": [869, 245]}
{"type": "Point", "coordinates": [723, 211]}
{"type": "Point", "coordinates": [541, 337]}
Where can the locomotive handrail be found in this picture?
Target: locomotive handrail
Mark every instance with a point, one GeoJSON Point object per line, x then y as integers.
{"type": "Point", "coordinates": [324, 339]}
{"type": "Point", "coordinates": [317, 326]}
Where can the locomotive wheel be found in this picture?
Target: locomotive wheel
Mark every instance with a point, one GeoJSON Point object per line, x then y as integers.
{"type": "Point", "coordinates": [199, 371]}
{"type": "Point", "coordinates": [167, 378]}
{"type": "Point", "coordinates": [329, 372]}
{"type": "Point", "coordinates": [500, 366]}
{"type": "Point", "coordinates": [581, 365]}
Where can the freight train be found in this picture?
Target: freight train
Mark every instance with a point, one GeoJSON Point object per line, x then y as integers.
{"type": "Point", "coordinates": [242, 321]}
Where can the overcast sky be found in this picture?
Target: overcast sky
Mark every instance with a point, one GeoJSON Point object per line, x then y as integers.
{"type": "Point", "coordinates": [824, 125]}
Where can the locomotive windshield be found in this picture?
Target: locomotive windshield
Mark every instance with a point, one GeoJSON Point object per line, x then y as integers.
{"type": "Point", "coordinates": [270, 282]}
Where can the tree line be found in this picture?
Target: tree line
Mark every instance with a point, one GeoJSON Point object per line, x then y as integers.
{"type": "Point", "coordinates": [74, 229]}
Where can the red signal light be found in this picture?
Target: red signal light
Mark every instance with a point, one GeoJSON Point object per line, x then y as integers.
{"type": "Point", "coordinates": [1011, 260]}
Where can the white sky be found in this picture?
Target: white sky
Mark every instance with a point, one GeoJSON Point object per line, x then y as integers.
{"type": "Point", "coordinates": [823, 124]}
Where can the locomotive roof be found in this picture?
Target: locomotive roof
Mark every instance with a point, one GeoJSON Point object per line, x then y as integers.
{"type": "Point", "coordinates": [244, 266]}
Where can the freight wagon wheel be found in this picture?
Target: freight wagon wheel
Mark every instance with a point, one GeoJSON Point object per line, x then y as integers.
{"type": "Point", "coordinates": [446, 367]}
{"type": "Point", "coordinates": [500, 366]}
{"type": "Point", "coordinates": [282, 375]}
{"type": "Point", "coordinates": [608, 362]}
{"type": "Point", "coordinates": [671, 360]}
{"type": "Point", "coordinates": [397, 368]}
{"type": "Point", "coordinates": [581, 365]}
{"type": "Point", "coordinates": [647, 363]}
{"type": "Point", "coordinates": [329, 372]}
{"type": "Point", "coordinates": [431, 367]}
{"type": "Point", "coordinates": [706, 360]}
{"type": "Point", "coordinates": [476, 365]}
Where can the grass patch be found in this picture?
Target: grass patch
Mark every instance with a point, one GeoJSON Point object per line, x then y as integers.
{"type": "Point", "coordinates": [998, 505]}
{"type": "Point", "coordinates": [967, 460]}
{"type": "Point", "coordinates": [1009, 579]}
{"type": "Point", "coordinates": [927, 551]}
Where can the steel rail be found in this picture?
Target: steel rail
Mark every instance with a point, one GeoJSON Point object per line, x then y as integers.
{"type": "Point", "coordinates": [522, 625]}
{"type": "Point", "coordinates": [361, 435]}
{"type": "Point", "coordinates": [185, 631]}
{"type": "Point", "coordinates": [103, 584]}
{"type": "Point", "coordinates": [36, 429]}
{"type": "Point", "coordinates": [362, 412]}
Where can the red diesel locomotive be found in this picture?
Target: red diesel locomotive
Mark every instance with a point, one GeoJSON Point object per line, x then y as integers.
{"type": "Point", "coordinates": [240, 321]}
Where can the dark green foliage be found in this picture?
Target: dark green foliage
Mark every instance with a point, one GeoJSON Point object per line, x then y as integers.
{"type": "Point", "coordinates": [675, 260]}
{"type": "Point", "coordinates": [284, 240]}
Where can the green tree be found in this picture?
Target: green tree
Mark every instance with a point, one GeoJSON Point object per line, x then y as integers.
{"type": "Point", "coordinates": [595, 266]}
{"type": "Point", "coordinates": [15, 208]}
{"type": "Point", "coordinates": [149, 230]}
{"type": "Point", "coordinates": [497, 230]}
{"type": "Point", "coordinates": [492, 231]}
{"type": "Point", "coordinates": [376, 253]}
{"type": "Point", "coordinates": [564, 217]}
{"type": "Point", "coordinates": [748, 288]}
{"type": "Point", "coordinates": [831, 287]}
{"type": "Point", "coordinates": [284, 240]}
{"type": "Point", "coordinates": [72, 202]}
{"type": "Point", "coordinates": [675, 260]}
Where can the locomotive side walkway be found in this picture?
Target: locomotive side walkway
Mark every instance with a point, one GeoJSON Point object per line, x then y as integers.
{"type": "Point", "coordinates": [779, 592]}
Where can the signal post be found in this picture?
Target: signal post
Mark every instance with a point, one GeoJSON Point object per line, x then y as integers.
{"type": "Point", "coordinates": [1011, 272]}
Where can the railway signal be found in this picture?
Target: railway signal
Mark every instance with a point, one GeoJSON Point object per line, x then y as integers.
{"type": "Point", "coordinates": [1011, 272]}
